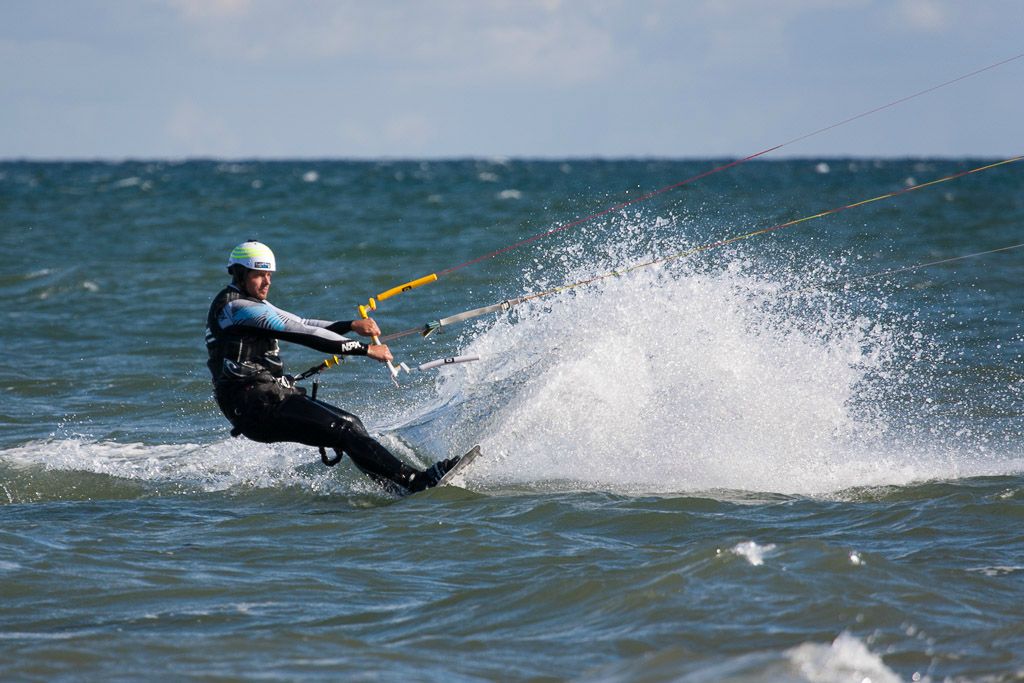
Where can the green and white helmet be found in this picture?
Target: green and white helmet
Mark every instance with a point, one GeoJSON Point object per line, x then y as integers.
{"type": "Point", "coordinates": [253, 255]}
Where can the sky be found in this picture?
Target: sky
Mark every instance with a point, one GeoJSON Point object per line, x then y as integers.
{"type": "Point", "coordinates": [117, 79]}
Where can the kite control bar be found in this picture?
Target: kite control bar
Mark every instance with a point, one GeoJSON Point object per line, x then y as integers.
{"type": "Point", "coordinates": [412, 284]}
{"type": "Point", "coordinates": [371, 305]}
{"type": "Point", "coordinates": [394, 369]}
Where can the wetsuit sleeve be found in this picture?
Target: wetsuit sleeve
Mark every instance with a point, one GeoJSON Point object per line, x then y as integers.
{"type": "Point", "coordinates": [339, 327]}
{"type": "Point", "coordinates": [260, 318]}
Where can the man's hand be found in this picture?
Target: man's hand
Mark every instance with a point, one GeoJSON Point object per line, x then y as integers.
{"type": "Point", "coordinates": [365, 327]}
{"type": "Point", "coordinates": [379, 352]}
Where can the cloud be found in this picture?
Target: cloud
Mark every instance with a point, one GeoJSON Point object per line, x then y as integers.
{"type": "Point", "coordinates": [194, 131]}
{"type": "Point", "coordinates": [750, 33]}
{"type": "Point", "coordinates": [558, 53]}
{"type": "Point", "coordinates": [533, 77]}
{"type": "Point", "coordinates": [411, 132]}
{"type": "Point", "coordinates": [201, 10]}
{"type": "Point", "coordinates": [923, 15]}
{"type": "Point", "coordinates": [537, 41]}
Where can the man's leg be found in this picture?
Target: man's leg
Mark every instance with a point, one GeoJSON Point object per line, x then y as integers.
{"type": "Point", "coordinates": [270, 418]}
{"type": "Point", "coordinates": [315, 423]}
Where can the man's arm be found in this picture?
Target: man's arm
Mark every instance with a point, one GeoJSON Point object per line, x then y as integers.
{"type": "Point", "coordinates": [244, 316]}
{"type": "Point", "coordinates": [364, 328]}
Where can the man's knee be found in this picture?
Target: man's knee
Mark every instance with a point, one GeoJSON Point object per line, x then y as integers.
{"type": "Point", "coordinates": [349, 424]}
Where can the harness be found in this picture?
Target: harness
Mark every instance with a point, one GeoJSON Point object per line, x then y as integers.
{"type": "Point", "coordinates": [238, 357]}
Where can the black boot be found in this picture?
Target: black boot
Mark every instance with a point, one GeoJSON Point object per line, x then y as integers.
{"type": "Point", "coordinates": [432, 475]}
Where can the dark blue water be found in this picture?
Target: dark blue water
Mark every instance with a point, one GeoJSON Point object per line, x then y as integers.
{"type": "Point", "coordinates": [764, 461]}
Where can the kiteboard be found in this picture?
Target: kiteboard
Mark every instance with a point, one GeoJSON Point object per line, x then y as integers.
{"type": "Point", "coordinates": [460, 466]}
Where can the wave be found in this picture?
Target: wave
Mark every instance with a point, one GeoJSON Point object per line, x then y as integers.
{"type": "Point", "coordinates": [81, 469]}
{"type": "Point", "coordinates": [847, 658]}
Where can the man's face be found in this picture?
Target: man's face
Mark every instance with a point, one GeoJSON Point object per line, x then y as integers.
{"type": "Point", "coordinates": [257, 283]}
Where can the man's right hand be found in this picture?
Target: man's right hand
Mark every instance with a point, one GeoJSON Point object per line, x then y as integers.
{"type": "Point", "coordinates": [379, 352]}
{"type": "Point", "coordinates": [366, 327]}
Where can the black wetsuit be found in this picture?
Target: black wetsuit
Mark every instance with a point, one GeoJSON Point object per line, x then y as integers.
{"type": "Point", "coordinates": [262, 403]}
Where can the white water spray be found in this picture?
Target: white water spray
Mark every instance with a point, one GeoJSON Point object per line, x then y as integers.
{"type": "Point", "coordinates": [676, 378]}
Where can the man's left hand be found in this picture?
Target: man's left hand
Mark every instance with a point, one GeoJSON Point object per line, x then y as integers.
{"type": "Point", "coordinates": [365, 327]}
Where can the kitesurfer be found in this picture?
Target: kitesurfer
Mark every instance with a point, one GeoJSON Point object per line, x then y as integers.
{"type": "Point", "coordinates": [262, 402]}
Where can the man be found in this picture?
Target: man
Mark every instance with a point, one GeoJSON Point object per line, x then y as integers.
{"type": "Point", "coordinates": [261, 402]}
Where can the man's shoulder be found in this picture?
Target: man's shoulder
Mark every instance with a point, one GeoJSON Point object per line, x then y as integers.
{"type": "Point", "coordinates": [222, 299]}
{"type": "Point", "coordinates": [229, 293]}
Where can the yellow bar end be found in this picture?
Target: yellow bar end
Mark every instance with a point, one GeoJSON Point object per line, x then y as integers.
{"type": "Point", "coordinates": [412, 284]}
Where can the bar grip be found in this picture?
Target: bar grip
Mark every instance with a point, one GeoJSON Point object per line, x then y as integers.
{"type": "Point", "coordinates": [413, 284]}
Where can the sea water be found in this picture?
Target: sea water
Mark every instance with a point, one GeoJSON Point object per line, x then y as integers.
{"type": "Point", "coordinates": [769, 460]}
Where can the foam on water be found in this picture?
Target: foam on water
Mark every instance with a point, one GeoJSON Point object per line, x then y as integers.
{"type": "Point", "coordinates": [753, 552]}
{"type": "Point", "coordinates": [228, 465]}
{"type": "Point", "coordinates": [846, 659]}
